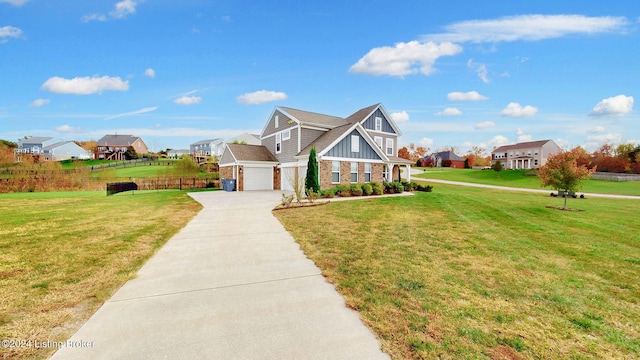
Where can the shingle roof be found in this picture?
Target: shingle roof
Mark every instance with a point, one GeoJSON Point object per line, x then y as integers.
{"type": "Point", "coordinates": [36, 139]}
{"type": "Point", "coordinates": [307, 117]}
{"type": "Point", "coordinates": [360, 114]}
{"type": "Point", "coordinates": [447, 155]}
{"type": "Point", "coordinates": [208, 141]}
{"type": "Point", "coordinates": [243, 152]}
{"type": "Point", "coordinates": [117, 140]}
{"type": "Point", "coordinates": [326, 139]}
{"type": "Point", "coordinates": [523, 145]}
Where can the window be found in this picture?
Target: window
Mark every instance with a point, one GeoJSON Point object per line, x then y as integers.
{"type": "Point", "coordinates": [335, 172]}
{"type": "Point", "coordinates": [378, 123]}
{"type": "Point", "coordinates": [277, 121]}
{"type": "Point", "coordinates": [355, 143]}
{"type": "Point", "coordinates": [367, 172]}
{"type": "Point", "coordinates": [385, 172]}
{"type": "Point", "coordinates": [286, 135]}
{"type": "Point", "coordinates": [511, 154]}
{"type": "Point", "coordinates": [389, 146]}
{"type": "Point", "coordinates": [535, 152]}
{"type": "Point", "coordinates": [529, 152]}
{"type": "Point", "coordinates": [378, 140]}
{"type": "Point", "coordinates": [354, 172]}
{"type": "Point", "coordinates": [278, 143]}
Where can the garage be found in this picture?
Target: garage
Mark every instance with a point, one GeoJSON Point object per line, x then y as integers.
{"type": "Point", "coordinates": [258, 178]}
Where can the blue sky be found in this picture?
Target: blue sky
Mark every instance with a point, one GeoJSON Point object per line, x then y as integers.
{"type": "Point", "coordinates": [451, 74]}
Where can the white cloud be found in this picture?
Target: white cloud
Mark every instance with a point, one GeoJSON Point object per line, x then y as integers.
{"type": "Point", "coordinates": [595, 141]}
{"type": "Point", "coordinates": [150, 73]}
{"type": "Point", "coordinates": [483, 73]}
{"type": "Point", "coordinates": [120, 11]}
{"type": "Point", "coordinates": [468, 96]}
{"type": "Point", "coordinates": [93, 17]}
{"type": "Point", "coordinates": [596, 130]}
{"type": "Point", "coordinates": [485, 125]}
{"type": "Point", "coordinates": [84, 85]}
{"type": "Point", "coordinates": [400, 117]}
{"type": "Point", "coordinates": [124, 8]}
{"type": "Point", "coordinates": [404, 58]}
{"type": "Point", "coordinates": [516, 110]}
{"type": "Point", "coordinates": [522, 137]}
{"type": "Point", "coordinates": [39, 102]}
{"type": "Point", "coordinates": [261, 97]}
{"type": "Point", "coordinates": [137, 112]}
{"type": "Point", "coordinates": [7, 32]}
{"type": "Point", "coordinates": [614, 106]}
{"type": "Point", "coordinates": [68, 129]}
{"type": "Point", "coordinates": [426, 142]}
{"type": "Point", "coordinates": [498, 140]}
{"type": "Point", "coordinates": [527, 28]}
{"type": "Point", "coordinates": [188, 100]}
{"type": "Point", "coordinates": [449, 112]}
{"type": "Point", "coordinates": [15, 2]}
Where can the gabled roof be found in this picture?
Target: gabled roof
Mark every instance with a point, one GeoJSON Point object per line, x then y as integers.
{"type": "Point", "coordinates": [117, 140]}
{"type": "Point", "coordinates": [361, 114]}
{"type": "Point", "coordinates": [56, 145]}
{"type": "Point", "coordinates": [523, 145]}
{"type": "Point", "coordinates": [36, 140]}
{"type": "Point", "coordinates": [206, 142]}
{"type": "Point", "coordinates": [244, 152]}
{"type": "Point", "coordinates": [311, 118]}
{"type": "Point", "coordinates": [329, 139]}
{"type": "Point", "coordinates": [447, 155]}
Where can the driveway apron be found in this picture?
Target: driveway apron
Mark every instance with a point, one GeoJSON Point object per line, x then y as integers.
{"type": "Point", "coordinates": [232, 284]}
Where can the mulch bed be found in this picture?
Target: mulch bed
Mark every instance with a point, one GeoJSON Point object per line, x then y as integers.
{"type": "Point", "coordinates": [295, 205]}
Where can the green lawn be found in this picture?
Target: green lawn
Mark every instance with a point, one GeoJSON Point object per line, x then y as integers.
{"type": "Point", "coordinates": [517, 178]}
{"type": "Point", "coordinates": [483, 274]}
{"type": "Point", "coordinates": [62, 254]}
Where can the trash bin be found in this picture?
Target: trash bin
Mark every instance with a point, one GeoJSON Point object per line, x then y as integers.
{"type": "Point", "coordinates": [228, 184]}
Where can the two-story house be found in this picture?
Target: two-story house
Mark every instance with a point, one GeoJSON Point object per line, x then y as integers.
{"type": "Point", "coordinates": [47, 148]}
{"type": "Point", "coordinates": [525, 155]}
{"type": "Point", "coordinates": [114, 147]}
{"type": "Point", "coordinates": [360, 148]}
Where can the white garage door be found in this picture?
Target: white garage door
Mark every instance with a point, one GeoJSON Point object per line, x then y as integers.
{"type": "Point", "coordinates": [258, 178]}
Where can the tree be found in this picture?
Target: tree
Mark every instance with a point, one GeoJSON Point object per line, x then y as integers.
{"type": "Point", "coordinates": [311, 181]}
{"type": "Point", "coordinates": [131, 153]}
{"type": "Point", "coordinates": [497, 166]}
{"type": "Point", "coordinates": [403, 152]}
{"type": "Point", "coordinates": [562, 172]}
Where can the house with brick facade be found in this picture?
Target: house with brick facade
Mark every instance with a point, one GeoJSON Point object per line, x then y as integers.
{"type": "Point", "coordinates": [114, 147]}
{"type": "Point", "coordinates": [362, 147]}
{"type": "Point", "coordinates": [525, 155]}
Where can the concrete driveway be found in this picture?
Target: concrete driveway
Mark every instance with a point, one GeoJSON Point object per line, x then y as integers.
{"type": "Point", "coordinates": [232, 284]}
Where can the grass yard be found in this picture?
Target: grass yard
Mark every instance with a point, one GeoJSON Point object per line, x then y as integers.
{"type": "Point", "coordinates": [482, 274]}
{"type": "Point", "coordinates": [517, 178]}
{"type": "Point", "coordinates": [63, 254]}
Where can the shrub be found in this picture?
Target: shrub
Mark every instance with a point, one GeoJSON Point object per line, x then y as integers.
{"type": "Point", "coordinates": [376, 188]}
{"type": "Point", "coordinates": [343, 190]}
{"type": "Point", "coordinates": [388, 189]}
{"type": "Point", "coordinates": [447, 163]}
{"type": "Point", "coordinates": [328, 193]}
{"type": "Point", "coordinates": [356, 189]}
{"type": "Point", "coordinates": [426, 188]}
{"type": "Point", "coordinates": [397, 187]}
{"type": "Point", "coordinates": [367, 189]}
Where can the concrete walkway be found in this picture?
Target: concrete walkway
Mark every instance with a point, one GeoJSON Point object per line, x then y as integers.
{"type": "Point", "coordinates": [232, 284]}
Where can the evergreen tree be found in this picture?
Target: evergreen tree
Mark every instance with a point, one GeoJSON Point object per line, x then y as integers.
{"type": "Point", "coordinates": [311, 181]}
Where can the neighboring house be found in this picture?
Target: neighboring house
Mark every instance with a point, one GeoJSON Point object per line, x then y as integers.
{"type": "Point", "coordinates": [48, 148]}
{"type": "Point", "coordinates": [204, 148]}
{"type": "Point", "coordinates": [113, 147]}
{"type": "Point", "coordinates": [526, 155]}
{"type": "Point", "coordinates": [177, 153]}
{"type": "Point", "coordinates": [360, 148]}
{"type": "Point", "coordinates": [438, 159]}
{"type": "Point", "coordinates": [245, 138]}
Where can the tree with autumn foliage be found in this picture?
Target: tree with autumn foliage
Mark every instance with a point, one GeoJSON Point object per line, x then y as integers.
{"type": "Point", "coordinates": [562, 172]}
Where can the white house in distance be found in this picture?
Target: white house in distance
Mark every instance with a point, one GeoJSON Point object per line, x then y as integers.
{"type": "Point", "coordinates": [207, 147]}
{"type": "Point", "coordinates": [49, 148]}
{"type": "Point", "coordinates": [525, 155]}
{"type": "Point", "coordinates": [245, 138]}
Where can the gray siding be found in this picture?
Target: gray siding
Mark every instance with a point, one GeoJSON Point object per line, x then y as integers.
{"type": "Point", "coordinates": [283, 123]}
{"type": "Point", "coordinates": [343, 149]}
{"type": "Point", "coordinates": [309, 136]}
{"type": "Point", "coordinates": [289, 148]}
{"type": "Point", "coordinates": [370, 123]}
{"type": "Point", "coordinates": [226, 157]}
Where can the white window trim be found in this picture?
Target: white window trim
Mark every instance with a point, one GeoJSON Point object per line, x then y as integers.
{"type": "Point", "coordinates": [277, 121]}
{"type": "Point", "coordinates": [339, 165]}
{"type": "Point", "coordinates": [278, 142]}
{"type": "Point", "coordinates": [351, 172]}
{"type": "Point", "coordinates": [286, 134]}
{"type": "Point", "coordinates": [378, 140]}
{"type": "Point", "coordinates": [367, 172]}
{"type": "Point", "coordinates": [355, 143]}
{"type": "Point", "coordinates": [378, 125]}
{"type": "Point", "coordinates": [389, 145]}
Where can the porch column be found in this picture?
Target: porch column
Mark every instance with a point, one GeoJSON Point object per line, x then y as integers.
{"type": "Point", "coordinates": [529, 164]}
{"type": "Point", "coordinates": [408, 173]}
